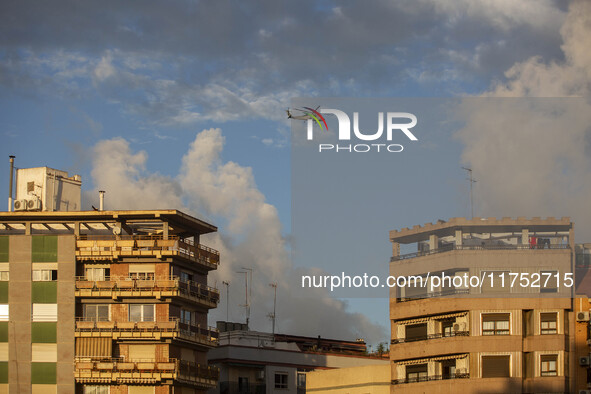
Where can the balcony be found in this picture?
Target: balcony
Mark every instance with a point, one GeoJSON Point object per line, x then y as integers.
{"type": "Point", "coordinates": [172, 329]}
{"type": "Point", "coordinates": [159, 287]}
{"type": "Point", "coordinates": [430, 336]}
{"type": "Point", "coordinates": [450, 247]}
{"type": "Point", "coordinates": [431, 378]}
{"type": "Point", "coordinates": [116, 247]}
{"type": "Point", "coordinates": [120, 371]}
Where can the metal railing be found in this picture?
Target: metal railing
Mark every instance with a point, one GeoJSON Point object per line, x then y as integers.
{"type": "Point", "coordinates": [450, 247]}
{"type": "Point", "coordinates": [131, 245]}
{"type": "Point", "coordinates": [434, 294]}
{"type": "Point", "coordinates": [128, 329]}
{"type": "Point", "coordinates": [137, 287]}
{"type": "Point", "coordinates": [431, 378]}
{"type": "Point", "coordinates": [184, 370]}
{"type": "Point", "coordinates": [431, 336]}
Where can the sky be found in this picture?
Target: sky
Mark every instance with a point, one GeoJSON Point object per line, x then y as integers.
{"type": "Point", "coordinates": [182, 104]}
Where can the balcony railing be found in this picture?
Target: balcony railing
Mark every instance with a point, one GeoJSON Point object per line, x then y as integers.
{"type": "Point", "coordinates": [450, 247]}
{"type": "Point", "coordinates": [172, 328]}
{"type": "Point", "coordinates": [121, 371]}
{"type": "Point", "coordinates": [431, 378]}
{"type": "Point", "coordinates": [112, 247]}
{"type": "Point", "coordinates": [434, 294]}
{"type": "Point", "coordinates": [116, 287]}
{"type": "Point", "coordinates": [430, 336]}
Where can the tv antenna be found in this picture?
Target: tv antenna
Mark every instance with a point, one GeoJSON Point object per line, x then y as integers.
{"type": "Point", "coordinates": [472, 181]}
{"type": "Point", "coordinates": [248, 292]}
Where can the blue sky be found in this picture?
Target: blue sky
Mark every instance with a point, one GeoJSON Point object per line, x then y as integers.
{"type": "Point", "coordinates": [75, 78]}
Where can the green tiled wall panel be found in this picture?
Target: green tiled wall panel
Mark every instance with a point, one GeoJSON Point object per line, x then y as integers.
{"type": "Point", "coordinates": [44, 292]}
{"type": "Point", "coordinates": [43, 332]}
{"type": "Point", "coordinates": [44, 249]}
{"type": "Point", "coordinates": [43, 373]}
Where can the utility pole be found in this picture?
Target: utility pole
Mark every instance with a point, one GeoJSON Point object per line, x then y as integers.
{"type": "Point", "coordinates": [272, 315]}
{"type": "Point", "coordinates": [472, 181]}
{"type": "Point", "coordinates": [227, 283]}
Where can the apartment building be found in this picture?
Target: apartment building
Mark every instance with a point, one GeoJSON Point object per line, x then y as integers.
{"type": "Point", "coordinates": [259, 363]}
{"type": "Point", "coordinates": [103, 301]}
{"type": "Point", "coordinates": [498, 335]}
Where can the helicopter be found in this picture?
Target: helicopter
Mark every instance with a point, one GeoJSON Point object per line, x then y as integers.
{"type": "Point", "coordinates": [308, 114]}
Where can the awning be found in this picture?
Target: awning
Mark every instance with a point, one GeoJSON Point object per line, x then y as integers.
{"type": "Point", "coordinates": [94, 347]}
{"type": "Point", "coordinates": [426, 360]}
{"type": "Point", "coordinates": [428, 318]}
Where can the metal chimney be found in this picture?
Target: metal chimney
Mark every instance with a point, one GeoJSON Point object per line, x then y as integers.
{"type": "Point", "coordinates": [101, 200]}
{"type": "Point", "coordinates": [10, 185]}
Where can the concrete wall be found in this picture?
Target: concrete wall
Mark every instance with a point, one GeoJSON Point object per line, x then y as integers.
{"type": "Point", "coordinates": [357, 380]}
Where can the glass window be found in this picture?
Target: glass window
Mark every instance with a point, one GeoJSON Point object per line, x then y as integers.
{"type": "Point", "coordinates": [141, 312]}
{"type": "Point", "coordinates": [44, 275]}
{"type": "Point", "coordinates": [301, 380]}
{"type": "Point", "coordinates": [548, 367]}
{"type": "Point", "coordinates": [142, 275]}
{"type": "Point", "coordinates": [186, 277]}
{"type": "Point", "coordinates": [495, 324]}
{"type": "Point", "coordinates": [416, 373]}
{"type": "Point", "coordinates": [281, 380]}
{"type": "Point", "coordinates": [548, 323]}
{"type": "Point", "coordinates": [4, 276]}
{"type": "Point", "coordinates": [96, 389]}
{"type": "Point", "coordinates": [44, 312]}
{"type": "Point", "coordinates": [3, 312]}
{"type": "Point", "coordinates": [97, 273]}
{"type": "Point", "coordinates": [99, 312]}
{"type": "Point", "coordinates": [447, 328]}
{"type": "Point", "coordinates": [185, 316]}
{"type": "Point", "coordinates": [243, 385]}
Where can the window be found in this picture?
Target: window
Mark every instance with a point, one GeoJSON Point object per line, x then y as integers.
{"type": "Point", "coordinates": [416, 373]}
{"type": "Point", "coordinates": [96, 389]}
{"type": "Point", "coordinates": [548, 365]}
{"type": "Point", "coordinates": [415, 332]}
{"type": "Point", "coordinates": [447, 328]}
{"type": "Point", "coordinates": [495, 366]}
{"type": "Point", "coordinates": [44, 312]}
{"type": "Point", "coordinates": [142, 275]}
{"type": "Point", "coordinates": [30, 187]}
{"type": "Point", "coordinates": [186, 277]}
{"type": "Point", "coordinates": [97, 273]}
{"type": "Point", "coordinates": [3, 312]}
{"type": "Point", "coordinates": [495, 324]}
{"type": "Point", "coordinates": [280, 380]}
{"type": "Point", "coordinates": [185, 316]}
{"type": "Point", "coordinates": [548, 323]}
{"type": "Point", "coordinates": [96, 312]}
{"type": "Point", "coordinates": [301, 380]}
{"type": "Point", "coordinates": [243, 385]}
{"type": "Point", "coordinates": [448, 369]}
{"type": "Point", "coordinates": [141, 312]}
{"type": "Point", "coordinates": [4, 276]}
{"type": "Point", "coordinates": [44, 275]}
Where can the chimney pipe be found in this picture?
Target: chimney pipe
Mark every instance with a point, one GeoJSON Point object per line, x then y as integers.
{"type": "Point", "coordinates": [10, 185]}
{"type": "Point", "coordinates": [101, 200]}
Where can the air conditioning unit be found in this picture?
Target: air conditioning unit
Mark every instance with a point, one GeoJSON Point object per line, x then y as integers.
{"type": "Point", "coordinates": [20, 205]}
{"type": "Point", "coordinates": [260, 375]}
{"type": "Point", "coordinates": [459, 327]}
{"type": "Point", "coordinates": [34, 205]}
{"type": "Point", "coordinates": [583, 316]}
{"type": "Point", "coordinates": [584, 361]}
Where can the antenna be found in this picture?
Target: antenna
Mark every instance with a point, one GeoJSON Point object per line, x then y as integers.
{"type": "Point", "coordinates": [227, 283]}
{"type": "Point", "coordinates": [248, 294]}
{"type": "Point", "coordinates": [472, 181]}
{"type": "Point", "coordinates": [272, 315]}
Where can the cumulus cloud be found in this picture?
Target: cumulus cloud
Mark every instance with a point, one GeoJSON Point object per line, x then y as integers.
{"type": "Point", "coordinates": [250, 233]}
{"type": "Point", "coordinates": [532, 156]}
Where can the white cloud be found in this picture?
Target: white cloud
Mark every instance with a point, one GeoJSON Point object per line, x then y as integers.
{"type": "Point", "coordinates": [250, 232]}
